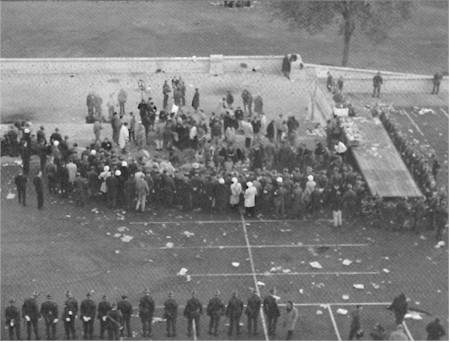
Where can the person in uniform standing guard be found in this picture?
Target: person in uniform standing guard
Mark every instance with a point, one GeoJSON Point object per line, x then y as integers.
{"type": "Point", "coordinates": [252, 311]}
{"type": "Point", "coordinates": [49, 310]}
{"type": "Point", "coordinates": [70, 314]}
{"type": "Point", "coordinates": [103, 308]}
{"type": "Point", "coordinates": [125, 307]}
{"type": "Point", "coordinates": [170, 314]}
{"type": "Point", "coordinates": [234, 311]}
{"type": "Point", "coordinates": [215, 310]}
{"type": "Point", "coordinates": [30, 311]}
{"type": "Point", "coordinates": [272, 312]}
{"type": "Point", "coordinates": [114, 323]}
{"type": "Point", "coordinates": [146, 310]}
{"type": "Point", "coordinates": [87, 316]}
{"type": "Point", "coordinates": [192, 312]}
{"type": "Point", "coordinates": [12, 319]}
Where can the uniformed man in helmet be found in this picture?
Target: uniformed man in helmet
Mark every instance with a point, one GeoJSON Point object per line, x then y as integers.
{"type": "Point", "coordinates": [12, 319]}
{"type": "Point", "coordinates": [234, 311]}
{"type": "Point", "coordinates": [30, 311]}
{"type": "Point", "coordinates": [87, 316]}
{"type": "Point", "coordinates": [215, 310]}
{"type": "Point", "coordinates": [146, 311]}
{"type": "Point", "coordinates": [103, 308]}
{"type": "Point", "coordinates": [126, 309]}
{"type": "Point", "coordinates": [170, 314]}
{"type": "Point", "coordinates": [192, 312]}
{"type": "Point", "coordinates": [49, 310]}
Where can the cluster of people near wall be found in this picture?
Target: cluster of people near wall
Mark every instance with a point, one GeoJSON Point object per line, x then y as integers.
{"type": "Point", "coordinates": [115, 317]}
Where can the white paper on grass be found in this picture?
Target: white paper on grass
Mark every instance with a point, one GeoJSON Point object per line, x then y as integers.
{"type": "Point", "coordinates": [260, 283]}
{"type": "Point", "coordinates": [342, 311]}
{"type": "Point", "coordinates": [10, 196]}
{"type": "Point", "coordinates": [117, 235]}
{"type": "Point", "coordinates": [188, 234]}
{"type": "Point", "coordinates": [319, 312]}
{"type": "Point", "coordinates": [126, 238]}
{"type": "Point", "coordinates": [346, 262]}
{"type": "Point", "coordinates": [315, 264]}
{"type": "Point", "coordinates": [358, 286]}
{"type": "Point", "coordinates": [413, 315]}
{"type": "Point", "coordinates": [345, 297]}
{"type": "Point", "coordinates": [169, 245]}
{"type": "Point", "coordinates": [182, 272]}
{"type": "Point", "coordinates": [235, 264]}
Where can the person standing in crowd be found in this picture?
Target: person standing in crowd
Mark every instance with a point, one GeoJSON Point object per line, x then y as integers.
{"type": "Point", "coordinates": [249, 199]}
{"type": "Point", "coordinates": [21, 183]}
{"type": "Point", "coordinates": [378, 333]}
{"type": "Point", "coordinates": [192, 312]}
{"type": "Point", "coordinates": [286, 66]}
{"type": "Point", "coordinates": [123, 137]}
{"type": "Point", "coordinates": [26, 150]}
{"type": "Point", "coordinates": [146, 311]}
{"type": "Point", "coordinates": [272, 312]}
{"type": "Point", "coordinates": [435, 330]}
{"type": "Point", "coordinates": [90, 100]}
{"type": "Point", "coordinates": [258, 108]}
{"type": "Point", "coordinates": [355, 325]}
{"type": "Point", "coordinates": [247, 100]}
{"type": "Point", "coordinates": [377, 82]}
{"type": "Point", "coordinates": [70, 312]}
{"type": "Point", "coordinates": [337, 203]}
{"type": "Point", "coordinates": [111, 104]}
{"type": "Point", "coordinates": [97, 128]}
{"type": "Point", "coordinates": [279, 127]}
{"type": "Point", "coordinates": [330, 82]}
{"type": "Point", "coordinates": [49, 311]}
{"type": "Point", "coordinates": [252, 311]}
{"type": "Point", "coordinates": [98, 102]}
{"type": "Point", "coordinates": [230, 99]}
{"type": "Point", "coordinates": [398, 334]}
{"type": "Point", "coordinates": [236, 190]}
{"type": "Point", "coordinates": [122, 99]}
{"type": "Point", "coordinates": [126, 309]}
{"type": "Point", "coordinates": [87, 316]}
{"type": "Point", "coordinates": [102, 309]}
{"type": "Point", "coordinates": [114, 323]}
{"type": "Point", "coordinates": [400, 307]}
{"type": "Point", "coordinates": [12, 320]}
{"type": "Point", "coordinates": [142, 191]}
{"type": "Point", "coordinates": [196, 100]}
{"type": "Point", "coordinates": [437, 78]}
{"type": "Point", "coordinates": [290, 319]}
{"type": "Point", "coordinates": [340, 84]}
{"type": "Point", "coordinates": [166, 91]}
{"type": "Point", "coordinates": [38, 185]}
{"type": "Point", "coordinates": [215, 310]}
{"type": "Point", "coordinates": [30, 312]}
{"type": "Point", "coordinates": [170, 314]}
{"type": "Point", "coordinates": [234, 311]}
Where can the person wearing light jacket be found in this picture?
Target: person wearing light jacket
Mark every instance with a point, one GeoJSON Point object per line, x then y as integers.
{"type": "Point", "coordinates": [290, 319]}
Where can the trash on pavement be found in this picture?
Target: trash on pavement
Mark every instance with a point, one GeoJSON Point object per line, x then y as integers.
{"type": "Point", "coordinates": [345, 297]}
{"type": "Point", "coordinates": [169, 245]}
{"type": "Point", "coordinates": [315, 264]}
{"type": "Point", "coordinates": [182, 272]}
{"type": "Point", "coordinates": [188, 278]}
{"type": "Point", "coordinates": [117, 251]}
{"type": "Point", "coordinates": [346, 262]}
{"type": "Point", "coordinates": [235, 264]}
{"type": "Point", "coordinates": [117, 235]}
{"type": "Point", "coordinates": [341, 311]}
{"type": "Point", "coordinates": [10, 196]}
{"type": "Point", "coordinates": [287, 270]}
{"type": "Point", "coordinates": [414, 315]}
{"type": "Point", "coordinates": [122, 229]}
{"type": "Point", "coordinates": [188, 234]}
{"type": "Point", "coordinates": [260, 283]}
{"type": "Point", "coordinates": [300, 291]}
{"type": "Point", "coordinates": [375, 286]}
{"type": "Point", "coordinates": [358, 286]}
{"type": "Point", "coordinates": [319, 312]}
{"type": "Point", "coordinates": [127, 238]}
{"type": "Point", "coordinates": [385, 270]}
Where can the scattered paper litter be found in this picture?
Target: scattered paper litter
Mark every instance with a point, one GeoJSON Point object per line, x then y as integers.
{"type": "Point", "coordinates": [169, 245]}
{"type": "Point", "coordinates": [323, 306]}
{"type": "Point", "coordinates": [358, 286]}
{"type": "Point", "coordinates": [287, 270]}
{"type": "Point", "coordinates": [375, 286]}
{"type": "Point", "coordinates": [315, 264]}
{"type": "Point", "coordinates": [235, 264]}
{"type": "Point", "coordinates": [300, 291]}
{"type": "Point", "coordinates": [260, 283]}
{"type": "Point", "coordinates": [422, 237]}
{"type": "Point", "coordinates": [414, 315]}
{"type": "Point", "coordinates": [182, 272]}
{"type": "Point", "coordinates": [117, 251]}
{"type": "Point", "coordinates": [341, 311]}
{"type": "Point", "coordinates": [346, 262]}
{"type": "Point", "coordinates": [117, 235]}
{"type": "Point", "coordinates": [188, 234]}
{"type": "Point", "coordinates": [319, 312]}
{"type": "Point", "coordinates": [10, 196]}
{"type": "Point", "coordinates": [126, 238]}
{"type": "Point", "coordinates": [122, 229]}
{"type": "Point", "coordinates": [188, 278]}
{"type": "Point", "coordinates": [345, 297]}
{"type": "Point", "coordinates": [385, 270]}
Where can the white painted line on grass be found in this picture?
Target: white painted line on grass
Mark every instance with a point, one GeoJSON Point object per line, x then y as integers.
{"type": "Point", "coordinates": [261, 313]}
{"type": "Point", "coordinates": [336, 330]}
{"type": "Point", "coordinates": [407, 331]}
{"type": "Point", "coordinates": [226, 221]}
{"type": "Point", "coordinates": [194, 329]}
{"type": "Point", "coordinates": [443, 111]}
{"type": "Point", "coordinates": [264, 246]}
{"type": "Point", "coordinates": [254, 274]}
{"type": "Point", "coordinates": [413, 122]}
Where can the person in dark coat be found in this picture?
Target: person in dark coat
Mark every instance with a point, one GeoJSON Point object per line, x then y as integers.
{"type": "Point", "coordinates": [435, 330]}
{"type": "Point", "coordinates": [377, 82]}
{"type": "Point", "coordinates": [230, 99]}
{"type": "Point", "coordinates": [166, 91]}
{"type": "Point", "coordinates": [215, 310]}
{"type": "Point", "coordinates": [21, 183]}
{"type": "Point", "coordinates": [87, 316]}
{"type": "Point", "coordinates": [126, 309]}
{"type": "Point", "coordinates": [49, 311]}
{"type": "Point", "coordinates": [258, 104]}
{"type": "Point", "coordinates": [192, 312]}
{"type": "Point", "coordinates": [102, 309]}
{"type": "Point", "coordinates": [196, 100]}
{"type": "Point", "coordinates": [270, 132]}
{"type": "Point", "coordinates": [25, 151]}
{"type": "Point", "coordinates": [355, 325]}
{"type": "Point", "coordinates": [330, 82]}
{"type": "Point", "coordinates": [286, 66]}
{"type": "Point", "coordinates": [378, 333]}
{"type": "Point", "coordinates": [38, 185]}
{"type": "Point", "coordinates": [252, 311]}
{"type": "Point", "coordinates": [69, 313]}
{"type": "Point", "coordinates": [170, 314]}
{"type": "Point", "coordinates": [30, 312]}
{"type": "Point", "coordinates": [114, 323]}
{"type": "Point", "coordinates": [234, 311]}
{"type": "Point", "coordinates": [272, 312]}
{"type": "Point", "coordinates": [400, 307]}
{"type": "Point", "coordinates": [113, 189]}
{"type": "Point", "coordinates": [146, 311]}
{"type": "Point", "coordinates": [437, 78]}
{"type": "Point", "coordinates": [12, 320]}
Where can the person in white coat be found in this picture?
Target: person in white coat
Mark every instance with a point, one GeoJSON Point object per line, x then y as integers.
{"type": "Point", "coordinates": [249, 199]}
{"type": "Point", "coordinates": [290, 319]}
{"type": "Point", "coordinates": [123, 136]}
{"type": "Point", "coordinates": [236, 190]}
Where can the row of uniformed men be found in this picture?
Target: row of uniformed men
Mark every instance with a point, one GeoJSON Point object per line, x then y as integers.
{"type": "Point", "coordinates": [115, 318]}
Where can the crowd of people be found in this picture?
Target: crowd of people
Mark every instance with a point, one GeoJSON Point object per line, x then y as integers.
{"type": "Point", "coordinates": [115, 317]}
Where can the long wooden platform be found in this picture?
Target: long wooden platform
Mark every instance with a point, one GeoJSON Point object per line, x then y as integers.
{"type": "Point", "coordinates": [378, 159]}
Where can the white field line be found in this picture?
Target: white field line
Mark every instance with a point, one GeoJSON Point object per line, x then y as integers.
{"type": "Point", "coordinates": [444, 112]}
{"type": "Point", "coordinates": [278, 274]}
{"type": "Point", "coordinates": [223, 221]}
{"type": "Point", "coordinates": [407, 331]}
{"type": "Point", "coordinates": [263, 246]}
{"type": "Point", "coordinates": [334, 323]}
{"type": "Point", "coordinates": [413, 122]}
{"type": "Point", "coordinates": [261, 313]}
{"type": "Point", "coordinates": [194, 330]}
{"type": "Point", "coordinates": [159, 307]}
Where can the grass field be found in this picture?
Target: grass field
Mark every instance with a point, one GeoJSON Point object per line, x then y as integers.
{"type": "Point", "coordinates": [186, 28]}
{"type": "Point", "coordinates": [67, 247]}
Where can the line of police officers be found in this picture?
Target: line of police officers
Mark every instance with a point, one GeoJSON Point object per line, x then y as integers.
{"type": "Point", "coordinates": [114, 318]}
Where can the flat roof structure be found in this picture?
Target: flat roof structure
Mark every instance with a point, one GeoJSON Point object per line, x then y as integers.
{"type": "Point", "coordinates": [378, 159]}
